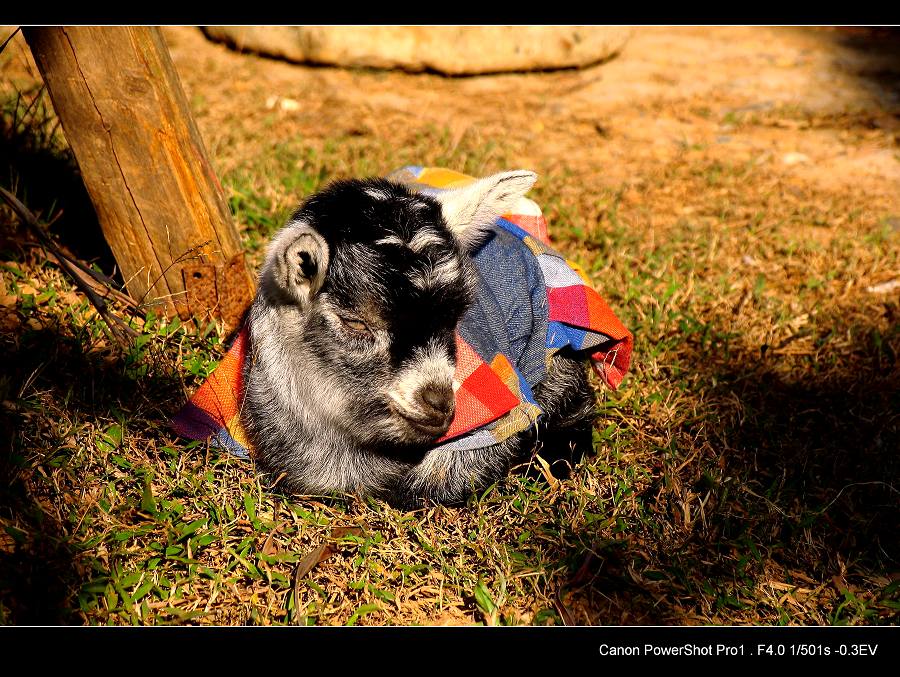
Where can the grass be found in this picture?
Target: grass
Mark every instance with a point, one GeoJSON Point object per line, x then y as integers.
{"type": "Point", "coordinates": [746, 471]}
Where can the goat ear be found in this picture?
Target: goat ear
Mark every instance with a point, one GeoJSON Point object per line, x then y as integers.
{"type": "Point", "coordinates": [470, 211]}
{"type": "Point", "coordinates": [295, 265]}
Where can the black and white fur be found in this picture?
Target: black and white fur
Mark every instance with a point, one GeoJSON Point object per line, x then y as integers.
{"type": "Point", "coordinates": [350, 378]}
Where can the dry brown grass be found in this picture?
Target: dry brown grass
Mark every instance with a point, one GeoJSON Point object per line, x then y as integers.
{"type": "Point", "coordinates": [746, 472]}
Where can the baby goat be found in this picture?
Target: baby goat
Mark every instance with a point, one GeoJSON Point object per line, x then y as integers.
{"type": "Point", "coordinates": [349, 383]}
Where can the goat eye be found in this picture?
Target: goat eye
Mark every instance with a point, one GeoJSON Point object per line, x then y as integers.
{"type": "Point", "coordinates": [355, 325]}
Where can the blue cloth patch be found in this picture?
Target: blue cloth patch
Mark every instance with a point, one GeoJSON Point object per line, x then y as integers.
{"type": "Point", "coordinates": [509, 314]}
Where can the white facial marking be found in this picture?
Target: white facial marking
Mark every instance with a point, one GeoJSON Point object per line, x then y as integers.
{"type": "Point", "coordinates": [430, 366]}
{"type": "Point", "coordinates": [423, 239]}
{"type": "Point", "coordinates": [392, 239]}
{"type": "Point", "coordinates": [377, 194]}
{"type": "Point", "coordinates": [418, 243]}
{"type": "Point", "coordinates": [444, 271]}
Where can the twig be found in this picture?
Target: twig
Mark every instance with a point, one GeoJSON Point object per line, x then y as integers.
{"type": "Point", "coordinates": [771, 504]}
{"type": "Point", "coordinates": [100, 282]}
{"type": "Point", "coordinates": [117, 326]}
{"type": "Point", "coordinates": [105, 282]}
{"type": "Point", "coordinates": [7, 41]}
{"type": "Point", "coordinates": [856, 484]}
{"type": "Point", "coordinates": [33, 104]}
{"type": "Point", "coordinates": [188, 255]}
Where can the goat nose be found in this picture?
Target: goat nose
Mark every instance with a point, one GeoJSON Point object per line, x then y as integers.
{"type": "Point", "coordinates": [438, 398]}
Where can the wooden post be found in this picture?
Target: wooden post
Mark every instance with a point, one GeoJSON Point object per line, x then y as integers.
{"type": "Point", "coordinates": [146, 170]}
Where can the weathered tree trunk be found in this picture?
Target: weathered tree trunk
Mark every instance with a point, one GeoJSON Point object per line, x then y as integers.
{"type": "Point", "coordinates": [158, 200]}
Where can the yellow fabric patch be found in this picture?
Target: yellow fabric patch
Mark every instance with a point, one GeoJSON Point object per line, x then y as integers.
{"type": "Point", "coordinates": [578, 269]}
{"type": "Point", "coordinates": [443, 178]}
{"type": "Point", "coordinates": [536, 247]}
{"type": "Point", "coordinates": [236, 429]}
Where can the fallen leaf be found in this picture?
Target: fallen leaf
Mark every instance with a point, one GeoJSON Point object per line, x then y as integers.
{"type": "Point", "coordinates": [840, 584]}
{"type": "Point", "coordinates": [269, 547]}
{"type": "Point", "coordinates": [586, 571]}
{"type": "Point", "coordinates": [70, 298]}
{"type": "Point", "coordinates": [305, 565]}
{"type": "Point", "coordinates": [340, 532]}
{"type": "Point", "coordinates": [564, 614]}
{"type": "Point", "coordinates": [312, 558]}
{"type": "Point", "coordinates": [803, 577]}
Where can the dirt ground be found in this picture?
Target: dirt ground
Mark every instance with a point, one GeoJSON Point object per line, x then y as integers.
{"type": "Point", "coordinates": [823, 105]}
{"type": "Point", "coordinates": [815, 108]}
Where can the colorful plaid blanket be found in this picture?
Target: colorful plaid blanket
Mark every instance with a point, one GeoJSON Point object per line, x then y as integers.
{"type": "Point", "coordinates": [531, 303]}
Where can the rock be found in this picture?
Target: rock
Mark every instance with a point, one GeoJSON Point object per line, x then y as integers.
{"type": "Point", "coordinates": [283, 103]}
{"type": "Point", "coordinates": [794, 158]}
{"type": "Point", "coordinates": [451, 50]}
{"type": "Point", "coordinates": [884, 287]}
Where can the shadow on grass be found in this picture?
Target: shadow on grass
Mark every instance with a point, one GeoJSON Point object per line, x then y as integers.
{"type": "Point", "coordinates": [39, 576]}
{"type": "Point", "coordinates": [55, 396]}
{"type": "Point", "coordinates": [795, 479]}
{"type": "Point", "coordinates": [43, 173]}
{"type": "Point", "coordinates": [49, 385]}
{"type": "Point", "coordinates": [881, 48]}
